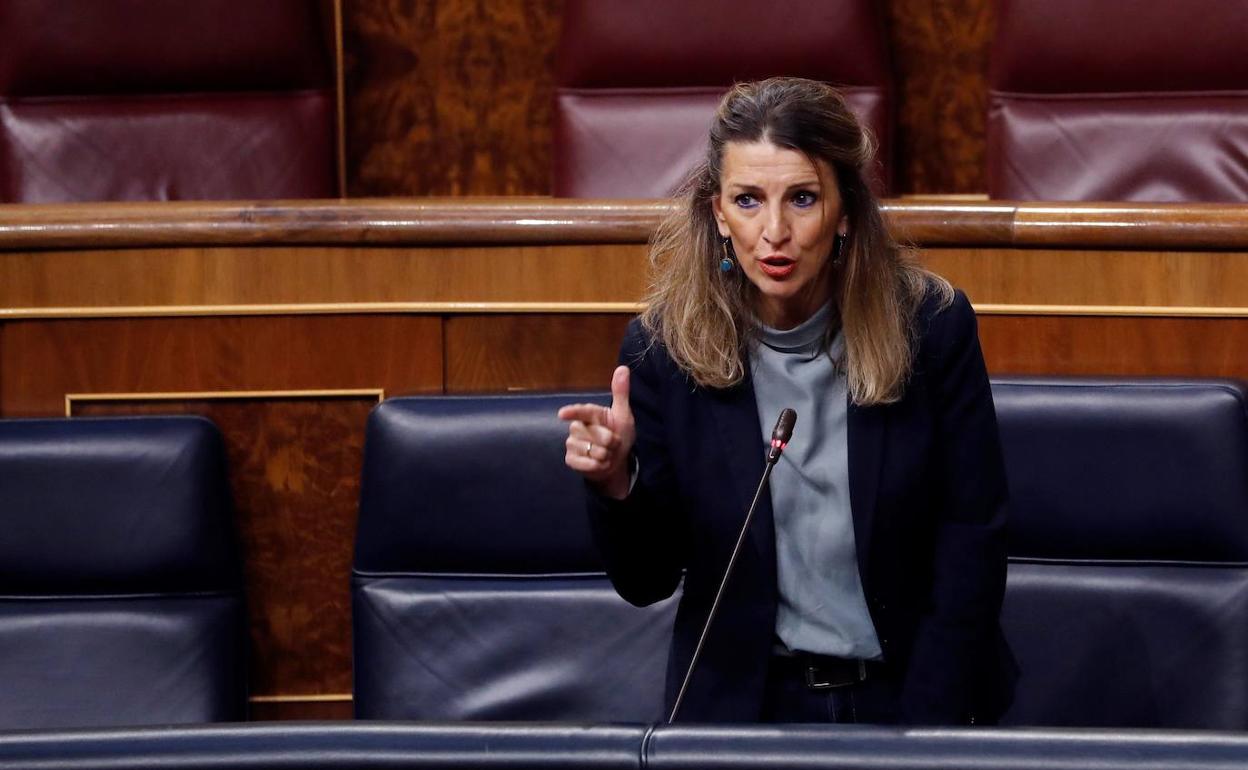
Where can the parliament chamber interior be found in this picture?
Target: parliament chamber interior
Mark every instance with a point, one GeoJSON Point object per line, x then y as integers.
{"type": "Point", "coordinates": [291, 292]}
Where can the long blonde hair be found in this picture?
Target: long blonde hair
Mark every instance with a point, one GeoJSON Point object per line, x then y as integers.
{"type": "Point", "coordinates": [705, 317]}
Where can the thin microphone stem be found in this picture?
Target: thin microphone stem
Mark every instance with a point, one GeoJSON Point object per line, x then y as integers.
{"type": "Point", "coordinates": [710, 616]}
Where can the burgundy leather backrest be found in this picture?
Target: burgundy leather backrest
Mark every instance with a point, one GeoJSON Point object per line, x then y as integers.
{"type": "Point", "coordinates": [637, 82]}
{"type": "Point", "coordinates": [159, 100]}
{"type": "Point", "coordinates": [1127, 100]}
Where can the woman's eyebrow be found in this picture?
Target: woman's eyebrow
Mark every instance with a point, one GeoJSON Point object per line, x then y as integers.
{"type": "Point", "coordinates": [812, 182]}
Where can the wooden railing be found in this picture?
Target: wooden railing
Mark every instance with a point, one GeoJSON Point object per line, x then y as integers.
{"type": "Point", "coordinates": [397, 221]}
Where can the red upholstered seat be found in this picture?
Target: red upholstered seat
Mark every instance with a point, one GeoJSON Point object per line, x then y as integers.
{"type": "Point", "coordinates": [158, 100]}
{"type": "Point", "coordinates": [1132, 100]}
{"type": "Point", "coordinates": [637, 82]}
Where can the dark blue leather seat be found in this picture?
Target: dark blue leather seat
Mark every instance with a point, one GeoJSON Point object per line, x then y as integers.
{"type": "Point", "coordinates": [477, 591]}
{"type": "Point", "coordinates": [1127, 602]}
{"type": "Point", "coordinates": [478, 594]}
{"type": "Point", "coordinates": [852, 747]}
{"type": "Point", "coordinates": [424, 746]}
{"type": "Point", "coordinates": [120, 584]}
{"type": "Point", "coordinates": [341, 745]}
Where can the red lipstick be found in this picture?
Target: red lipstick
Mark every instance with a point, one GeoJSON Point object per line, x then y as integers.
{"type": "Point", "coordinates": [777, 266]}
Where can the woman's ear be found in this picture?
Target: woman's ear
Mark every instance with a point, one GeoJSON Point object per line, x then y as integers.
{"type": "Point", "coordinates": [842, 227]}
{"type": "Point", "coordinates": [720, 222]}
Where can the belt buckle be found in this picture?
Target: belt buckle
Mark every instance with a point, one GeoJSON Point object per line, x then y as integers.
{"type": "Point", "coordinates": [816, 678]}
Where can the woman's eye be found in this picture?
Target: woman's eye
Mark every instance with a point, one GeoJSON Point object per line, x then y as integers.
{"type": "Point", "coordinates": [804, 199]}
{"type": "Point", "coordinates": [745, 201]}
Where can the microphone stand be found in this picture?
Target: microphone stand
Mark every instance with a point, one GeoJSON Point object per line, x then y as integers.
{"type": "Point", "coordinates": [779, 439]}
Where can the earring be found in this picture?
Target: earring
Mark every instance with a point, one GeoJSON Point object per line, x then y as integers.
{"type": "Point", "coordinates": [725, 264]}
{"type": "Point", "coordinates": [838, 247]}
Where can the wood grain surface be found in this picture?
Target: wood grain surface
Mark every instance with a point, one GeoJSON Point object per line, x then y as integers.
{"type": "Point", "coordinates": [239, 279]}
{"type": "Point", "coordinates": [450, 97]}
{"type": "Point", "coordinates": [1181, 347]}
{"type": "Point", "coordinates": [374, 221]}
{"type": "Point", "coordinates": [536, 221]}
{"type": "Point", "coordinates": [285, 710]}
{"type": "Point", "coordinates": [454, 97]}
{"type": "Point", "coordinates": [1062, 280]}
{"type": "Point", "coordinates": [532, 352]}
{"type": "Point", "coordinates": [540, 256]}
{"type": "Point", "coordinates": [481, 356]}
{"type": "Point", "coordinates": [41, 361]}
{"type": "Point", "coordinates": [940, 56]}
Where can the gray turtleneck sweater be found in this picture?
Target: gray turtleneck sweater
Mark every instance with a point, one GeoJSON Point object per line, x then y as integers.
{"type": "Point", "coordinates": [822, 606]}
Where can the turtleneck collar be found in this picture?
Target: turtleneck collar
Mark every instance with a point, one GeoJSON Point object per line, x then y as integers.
{"type": "Point", "coordinates": [806, 337]}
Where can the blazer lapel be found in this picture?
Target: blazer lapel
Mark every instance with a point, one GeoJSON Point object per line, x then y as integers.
{"type": "Point", "coordinates": [735, 414]}
{"type": "Point", "coordinates": [866, 427]}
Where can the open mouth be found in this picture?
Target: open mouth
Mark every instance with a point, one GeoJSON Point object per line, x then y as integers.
{"type": "Point", "coordinates": [777, 266]}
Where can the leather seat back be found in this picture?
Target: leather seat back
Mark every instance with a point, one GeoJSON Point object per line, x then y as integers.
{"type": "Point", "coordinates": [120, 582]}
{"type": "Point", "coordinates": [477, 592]}
{"type": "Point", "coordinates": [638, 82]}
{"type": "Point", "coordinates": [1119, 100]}
{"type": "Point", "coordinates": [1128, 581]}
{"type": "Point", "coordinates": [149, 100]}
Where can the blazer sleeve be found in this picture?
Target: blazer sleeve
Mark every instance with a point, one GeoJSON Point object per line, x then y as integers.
{"type": "Point", "coordinates": [642, 538]}
{"type": "Point", "coordinates": [955, 640]}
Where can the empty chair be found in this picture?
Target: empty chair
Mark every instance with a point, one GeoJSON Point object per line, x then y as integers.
{"type": "Point", "coordinates": [151, 100]}
{"type": "Point", "coordinates": [1119, 100]}
{"type": "Point", "coordinates": [120, 584]}
{"type": "Point", "coordinates": [477, 592]}
{"type": "Point", "coordinates": [1127, 600]}
{"type": "Point", "coordinates": [637, 82]}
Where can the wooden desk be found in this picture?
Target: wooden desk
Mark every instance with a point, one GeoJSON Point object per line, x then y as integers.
{"type": "Point", "coordinates": [285, 322]}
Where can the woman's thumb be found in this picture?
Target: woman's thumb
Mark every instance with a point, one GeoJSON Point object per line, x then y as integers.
{"type": "Point", "coordinates": [619, 394]}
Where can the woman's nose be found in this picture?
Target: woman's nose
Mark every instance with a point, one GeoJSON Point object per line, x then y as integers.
{"type": "Point", "coordinates": [776, 229]}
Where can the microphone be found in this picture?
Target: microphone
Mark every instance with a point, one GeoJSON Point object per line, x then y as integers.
{"type": "Point", "coordinates": [780, 436]}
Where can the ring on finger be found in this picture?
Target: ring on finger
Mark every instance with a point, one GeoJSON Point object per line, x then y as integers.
{"type": "Point", "coordinates": [588, 446]}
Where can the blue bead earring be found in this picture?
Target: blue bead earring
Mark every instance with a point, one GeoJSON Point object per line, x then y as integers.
{"type": "Point", "coordinates": [725, 264]}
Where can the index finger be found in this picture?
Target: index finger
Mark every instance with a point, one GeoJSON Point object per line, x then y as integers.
{"type": "Point", "coordinates": [590, 414]}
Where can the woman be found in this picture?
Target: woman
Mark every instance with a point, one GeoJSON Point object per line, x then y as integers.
{"type": "Point", "coordinates": [872, 579]}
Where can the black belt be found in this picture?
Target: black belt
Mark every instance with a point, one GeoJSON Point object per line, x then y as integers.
{"type": "Point", "coordinates": [824, 672]}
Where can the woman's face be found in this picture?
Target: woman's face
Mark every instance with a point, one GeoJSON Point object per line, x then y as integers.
{"type": "Point", "coordinates": [782, 213]}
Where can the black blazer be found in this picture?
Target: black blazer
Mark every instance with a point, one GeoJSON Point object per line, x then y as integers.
{"type": "Point", "coordinates": [928, 493]}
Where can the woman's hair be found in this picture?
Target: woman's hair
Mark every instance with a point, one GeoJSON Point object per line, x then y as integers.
{"type": "Point", "coordinates": [705, 317]}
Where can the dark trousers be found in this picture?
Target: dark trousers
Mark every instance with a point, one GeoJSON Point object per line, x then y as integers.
{"type": "Point", "coordinates": [786, 698]}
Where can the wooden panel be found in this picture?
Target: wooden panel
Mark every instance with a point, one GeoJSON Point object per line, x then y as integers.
{"type": "Point", "coordinates": [41, 361]}
{"type": "Point", "coordinates": [552, 352]}
{"type": "Point", "coordinates": [287, 710]}
{"type": "Point", "coordinates": [1143, 280]}
{"type": "Point", "coordinates": [555, 278]}
{"type": "Point", "coordinates": [1138, 258]}
{"type": "Point", "coordinates": [449, 98]}
{"type": "Point", "coordinates": [1186, 347]}
{"type": "Point", "coordinates": [940, 54]}
{"type": "Point", "coordinates": [532, 352]}
{"type": "Point", "coordinates": [294, 470]}
{"type": "Point", "coordinates": [178, 281]}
